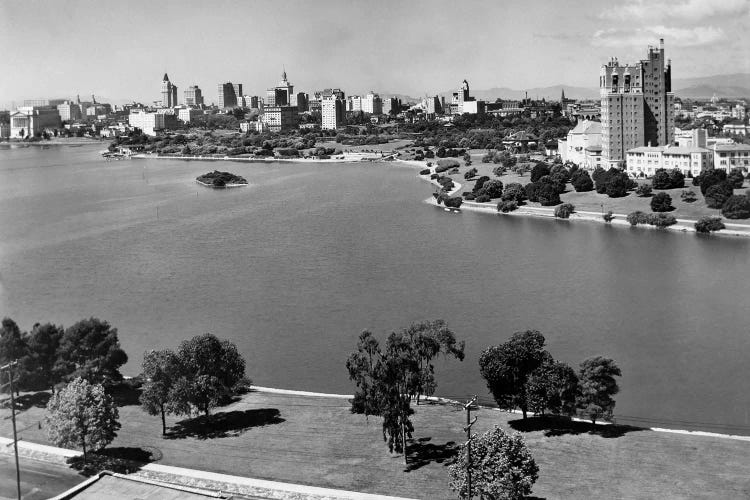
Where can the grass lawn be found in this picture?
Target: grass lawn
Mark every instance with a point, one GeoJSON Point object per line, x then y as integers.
{"type": "Point", "coordinates": [592, 201]}
{"type": "Point", "coordinates": [317, 441]}
{"type": "Point", "coordinates": [386, 148]}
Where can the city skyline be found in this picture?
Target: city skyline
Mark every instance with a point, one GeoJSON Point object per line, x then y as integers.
{"type": "Point", "coordinates": [415, 48]}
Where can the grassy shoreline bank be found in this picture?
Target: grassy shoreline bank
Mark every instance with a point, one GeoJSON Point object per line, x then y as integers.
{"type": "Point", "coordinates": [315, 440]}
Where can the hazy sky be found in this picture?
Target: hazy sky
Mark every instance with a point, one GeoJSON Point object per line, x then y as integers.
{"type": "Point", "coordinates": [121, 49]}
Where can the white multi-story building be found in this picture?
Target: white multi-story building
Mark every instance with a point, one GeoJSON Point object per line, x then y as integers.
{"type": "Point", "coordinates": [354, 103]}
{"type": "Point", "coordinates": [729, 156]}
{"type": "Point", "coordinates": [279, 118]}
{"type": "Point", "coordinates": [147, 122]}
{"type": "Point", "coordinates": [372, 104]}
{"type": "Point", "coordinates": [28, 121]}
{"type": "Point", "coordinates": [573, 148]}
{"type": "Point", "coordinates": [188, 114]}
{"type": "Point", "coordinates": [332, 111]}
{"type": "Point", "coordinates": [69, 111]}
{"type": "Point", "coordinates": [646, 160]}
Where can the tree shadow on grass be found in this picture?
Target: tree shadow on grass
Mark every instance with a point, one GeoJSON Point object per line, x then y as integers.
{"type": "Point", "coordinates": [559, 426]}
{"type": "Point", "coordinates": [125, 394]}
{"type": "Point", "coordinates": [224, 424]}
{"type": "Point", "coordinates": [421, 452]}
{"type": "Point", "coordinates": [122, 459]}
{"type": "Point", "coordinates": [36, 400]}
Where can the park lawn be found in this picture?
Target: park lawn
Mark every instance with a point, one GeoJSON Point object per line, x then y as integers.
{"type": "Point", "coordinates": [592, 201]}
{"type": "Point", "coordinates": [386, 148]}
{"type": "Point", "coordinates": [317, 441]}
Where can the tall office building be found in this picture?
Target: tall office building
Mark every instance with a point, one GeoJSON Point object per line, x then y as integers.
{"type": "Point", "coordinates": [239, 96]}
{"type": "Point", "coordinates": [193, 96]}
{"type": "Point", "coordinates": [280, 95]}
{"type": "Point", "coordinates": [637, 105]}
{"type": "Point", "coordinates": [332, 110]}
{"type": "Point", "coordinates": [69, 111]}
{"type": "Point", "coordinates": [227, 96]}
{"type": "Point", "coordinates": [302, 102]}
{"type": "Point", "coordinates": [168, 93]}
{"type": "Point", "coordinates": [372, 103]}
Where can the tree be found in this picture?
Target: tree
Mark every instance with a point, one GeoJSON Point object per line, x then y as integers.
{"type": "Point", "coordinates": [13, 343]}
{"type": "Point", "coordinates": [709, 178]}
{"type": "Point", "coordinates": [736, 207]}
{"type": "Point", "coordinates": [735, 178]}
{"type": "Point", "coordinates": [661, 179]}
{"type": "Point", "coordinates": [91, 349]}
{"type": "Point", "coordinates": [540, 170]}
{"type": "Point", "coordinates": [161, 371]}
{"type": "Point", "coordinates": [480, 183]}
{"type": "Point", "coordinates": [563, 211]}
{"type": "Point", "coordinates": [39, 364]}
{"type": "Point", "coordinates": [514, 192]}
{"type": "Point", "coordinates": [552, 387]}
{"type": "Point", "coordinates": [718, 194]}
{"type": "Point", "coordinates": [82, 415]}
{"type": "Point", "coordinates": [429, 339]}
{"type": "Point", "coordinates": [637, 217]}
{"type": "Point", "coordinates": [212, 367]}
{"type": "Point", "coordinates": [501, 467]}
{"type": "Point", "coordinates": [688, 196]}
{"type": "Point", "coordinates": [708, 224]}
{"type": "Point", "coordinates": [661, 202]}
{"type": "Point", "coordinates": [492, 188]}
{"type": "Point", "coordinates": [582, 181]}
{"type": "Point", "coordinates": [506, 368]}
{"type": "Point", "coordinates": [618, 184]}
{"type": "Point", "coordinates": [547, 194]}
{"type": "Point", "coordinates": [596, 386]}
{"type": "Point", "coordinates": [676, 178]}
{"type": "Point", "coordinates": [470, 173]}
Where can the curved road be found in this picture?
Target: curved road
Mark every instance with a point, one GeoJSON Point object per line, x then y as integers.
{"type": "Point", "coordinates": [39, 480]}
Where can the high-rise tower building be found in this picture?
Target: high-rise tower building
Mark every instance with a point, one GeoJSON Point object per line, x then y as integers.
{"type": "Point", "coordinates": [280, 95]}
{"type": "Point", "coordinates": [168, 93]}
{"type": "Point", "coordinates": [332, 111]}
{"type": "Point", "coordinates": [227, 96]}
{"type": "Point", "coordinates": [193, 96]}
{"type": "Point", "coordinates": [637, 105]}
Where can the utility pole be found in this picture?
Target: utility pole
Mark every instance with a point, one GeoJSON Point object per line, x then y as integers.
{"type": "Point", "coordinates": [469, 423]}
{"type": "Point", "coordinates": [9, 367]}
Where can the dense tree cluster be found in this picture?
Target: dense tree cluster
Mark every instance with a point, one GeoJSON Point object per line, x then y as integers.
{"type": "Point", "coordinates": [718, 189]}
{"type": "Point", "coordinates": [613, 182]}
{"type": "Point", "coordinates": [661, 202]}
{"type": "Point", "coordinates": [668, 179]}
{"type": "Point", "coordinates": [708, 224]}
{"type": "Point", "coordinates": [51, 354]}
{"type": "Point", "coordinates": [196, 377]}
{"type": "Point", "coordinates": [521, 374]}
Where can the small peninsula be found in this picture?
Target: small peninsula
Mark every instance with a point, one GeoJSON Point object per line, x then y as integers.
{"type": "Point", "coordinates": [220, 180]}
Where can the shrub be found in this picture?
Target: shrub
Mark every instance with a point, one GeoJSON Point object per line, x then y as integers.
{"type": "Point", "coordinates": [470, 173]}
{"type": "Point", "coordinates": [582, 181]}
{"type": "Point", "coordinates": [560, 171]}
{"type": "Point", "coordinates": [661, 220]}
{"type": "Point", "coordinates": [469, 196]}
{"type": "Point", "coordinates": [434, 176]}
{"type": "Point", "coordinates": [661, 179]}
{"type": "Point", "coordinates": [563, 211]}
{"type": "Point", "coordinates": [708, 224]}
{"type": "Point", "coordinates": [452, 202]}
{"type": "Point", "coordinates": [736, 207]}
{"type": "Point", "coordinates": [555, 182]}
{"type": "Point", "coordinates": [492, 188]}
{"type": "Point", "coordinates": [507, 206]}
{"type": "Point", "coordinates": [718, 194]}
{"type": "Point", "coordinates": [661, 202]}
{"type": "Point", "coordinates": [446, 164]}
{"type": "Point", "coordinates": [539, 171]}
{"type": "Point", "coordinates": [608, 216]}
{"type": "Point", "coordinates": [644, 190]}
{"type": "Point", "coordinates": [499, 170]}
{"type": "Point", "coordinates": [688, 196]}
{"type": "Point", "coordinates": [637, 217]}
{"type": "Point", "coordinates": [618, 184]}
{"type": "Point", "coordinates": [482, 198]}
{"type": "Point", "coordinates": [425, 171]}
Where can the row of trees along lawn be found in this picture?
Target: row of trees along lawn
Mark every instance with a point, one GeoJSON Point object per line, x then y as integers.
{"type": "Point", "coordinates": [50, 354]}
{"type": "Point", "coordinates": [522, 375]}
{"type": "Point", "coordinates": [202, 372]}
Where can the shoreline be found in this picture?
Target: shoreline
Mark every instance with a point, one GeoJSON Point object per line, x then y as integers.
{"type": "Point", "coordinates": [343, 158]}
{"type": "Point", "coordinates": [222, 187]}
{"type": "Point", "coordinates": [682, 226]}
{"type": "Point", "coordinates": [292, 392]}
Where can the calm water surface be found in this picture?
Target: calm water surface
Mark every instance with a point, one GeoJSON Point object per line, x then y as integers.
{"type": "Point", "coordinates": [294, 266]}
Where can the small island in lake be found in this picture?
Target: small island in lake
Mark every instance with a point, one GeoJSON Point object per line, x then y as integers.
{"type": "Point", "coordinates": [218, 179]}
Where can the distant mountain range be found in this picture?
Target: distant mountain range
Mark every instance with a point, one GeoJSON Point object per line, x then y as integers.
{"type": "Point", "coordinates": [733, 85]}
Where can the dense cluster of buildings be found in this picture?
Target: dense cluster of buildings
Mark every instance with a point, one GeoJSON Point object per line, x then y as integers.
{"type": "Point", "coordinates": [637, 129]}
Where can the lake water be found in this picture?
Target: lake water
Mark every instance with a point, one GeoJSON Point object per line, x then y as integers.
{"type": "Point", "coordinates": [294, 266]}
